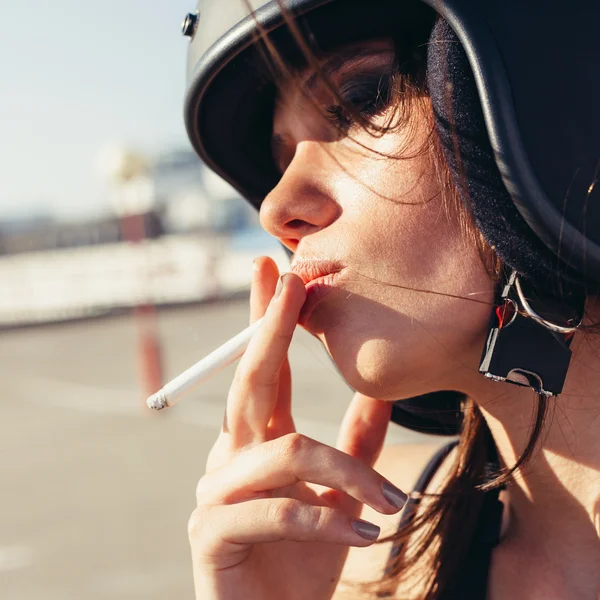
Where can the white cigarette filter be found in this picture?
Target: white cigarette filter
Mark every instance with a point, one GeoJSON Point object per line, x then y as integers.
{"type": "Point", "coordinates": [204, 369]}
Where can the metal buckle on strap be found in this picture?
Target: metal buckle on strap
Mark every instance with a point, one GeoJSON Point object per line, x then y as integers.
{"type": "Point", "coordinates": [524, 348]}
{"type": "Point", "coordinates": [533, 315]}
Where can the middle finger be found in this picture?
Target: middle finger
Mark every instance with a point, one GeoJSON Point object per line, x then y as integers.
{"type": "Point", "coordinates": [265, 469]}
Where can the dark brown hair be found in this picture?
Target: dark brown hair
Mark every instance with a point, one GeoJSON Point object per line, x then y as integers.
{"type": "Point", "coordinates": [436, 541]}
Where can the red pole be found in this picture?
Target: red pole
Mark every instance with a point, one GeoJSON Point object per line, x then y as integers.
{"type": "Point", "coordinates": [149, 353]}
{"type": "Point", "coordinates": [148, 349]}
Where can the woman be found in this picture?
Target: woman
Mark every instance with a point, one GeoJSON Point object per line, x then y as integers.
{"type": "Point", "coordinates": [434, 179]}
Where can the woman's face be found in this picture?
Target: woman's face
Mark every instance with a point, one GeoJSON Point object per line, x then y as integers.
{"type": "Point", "coordinates": [383, 224]}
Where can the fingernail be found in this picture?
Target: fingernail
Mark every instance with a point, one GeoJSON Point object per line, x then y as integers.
{"type": "Point", "coordinates": [394, 496]}
{"type": "Point", "coordinates": [366, 529]}
{"type": "Point", "coordinates": [279, 287]}
{"type": "Point", "coordinates": [254, 265]}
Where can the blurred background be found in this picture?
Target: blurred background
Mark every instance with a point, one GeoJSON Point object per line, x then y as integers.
{"type": "Point", "coordinates": [123, 261]}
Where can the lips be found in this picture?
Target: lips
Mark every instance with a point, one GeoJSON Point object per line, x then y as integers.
{"type": "Point", "coordinates": [319, 277]}
{"type": "Point", "coordinates": [310, 269]}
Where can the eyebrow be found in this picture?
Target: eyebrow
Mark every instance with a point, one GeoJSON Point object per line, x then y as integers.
{"type": "Point", "coordinates": [328, 68]}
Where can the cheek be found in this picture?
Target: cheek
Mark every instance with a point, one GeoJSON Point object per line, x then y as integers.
{"type": "Point", "coordinates": [407, 230]}
{"type": "Point", "coordinates": [408, 345]}
{"type": "Point", "coordinates": [406, 324]}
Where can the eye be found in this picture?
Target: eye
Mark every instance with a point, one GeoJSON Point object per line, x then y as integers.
{"type": "Point", "coordinates": [368, 95]}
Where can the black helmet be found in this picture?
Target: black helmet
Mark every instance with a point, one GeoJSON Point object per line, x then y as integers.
{"type": "Point", "coordinates": [524, 84]}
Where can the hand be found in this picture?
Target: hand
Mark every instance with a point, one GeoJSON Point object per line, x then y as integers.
{"type": "Point", "coordinates": [277, 510]}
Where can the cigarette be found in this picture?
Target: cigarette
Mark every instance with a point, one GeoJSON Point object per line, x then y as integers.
{"type": "Point", "coordinates": [203, 369]}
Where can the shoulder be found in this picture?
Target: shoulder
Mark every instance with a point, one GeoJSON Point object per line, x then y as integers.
{"type": "Point", "coordinates": [402, 464]}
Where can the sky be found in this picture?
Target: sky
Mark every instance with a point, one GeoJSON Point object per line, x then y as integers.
{"type": "Point", "coordinates": [77, 76]}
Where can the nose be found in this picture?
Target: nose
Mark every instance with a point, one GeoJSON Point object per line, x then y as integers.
{"type": "Point", "coordinates": [303, 202]}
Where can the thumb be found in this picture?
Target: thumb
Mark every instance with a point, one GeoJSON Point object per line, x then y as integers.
{"type": "Point", "coordinates": [363, 428]}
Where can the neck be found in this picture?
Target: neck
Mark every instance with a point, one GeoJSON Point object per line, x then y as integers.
{"type": "Point", "coordinates": [555, 499]}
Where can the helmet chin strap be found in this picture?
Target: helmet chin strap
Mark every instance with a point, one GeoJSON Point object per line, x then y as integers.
{"type": "Point", "coordinates": [525, 348]}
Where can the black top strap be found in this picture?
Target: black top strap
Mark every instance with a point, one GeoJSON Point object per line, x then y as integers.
{"type": "Point", "coordinates": [471, 582]}
{"type": "Point", "coordinates": [410, 510]}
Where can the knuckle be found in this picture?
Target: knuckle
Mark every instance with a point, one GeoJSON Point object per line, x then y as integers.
{"type": "Point", "coordinates": [284, 334]}
{"type": "Point", "coordinates": [257, 378]}
{"type": "Point", "coordinates": [292, 444]}
{"type": "Point", "coordinates": [253, 376]}
{"type": "Point", "coordinates": [247, 372]}
{"type": "Point", "coordinates": [317, 518]}
{"type": "Point", "coordinates": [283, 512]}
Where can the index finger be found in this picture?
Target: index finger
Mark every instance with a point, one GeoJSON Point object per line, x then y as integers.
{"type": "Point", "coordinates": [254, 392]}
{"type": "Point", "coordinates": [264, 281]}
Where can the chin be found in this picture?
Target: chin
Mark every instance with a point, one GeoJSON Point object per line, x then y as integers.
{"type": "Point", "coordinates": [382, 369]}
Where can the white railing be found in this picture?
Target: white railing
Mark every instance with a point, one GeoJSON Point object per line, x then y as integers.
{"type": "Point", "coordinates": [77, 282]}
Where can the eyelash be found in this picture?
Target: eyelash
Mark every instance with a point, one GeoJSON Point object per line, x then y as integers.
{"type": "Point", "coordinates": [368, 98]}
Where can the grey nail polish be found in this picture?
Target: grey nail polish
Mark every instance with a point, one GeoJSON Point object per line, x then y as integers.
{"type": "Point", "coordinates": [366, 529]}
{"type": "Point", "coordinates": [394, 496]}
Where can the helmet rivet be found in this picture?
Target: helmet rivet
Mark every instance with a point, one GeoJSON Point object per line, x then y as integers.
{"type": "Point", "coordinates": [188, 27]}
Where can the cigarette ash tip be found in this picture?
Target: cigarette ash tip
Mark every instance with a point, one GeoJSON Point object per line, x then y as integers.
{"type": "Point", "coordinates": [157, 401]}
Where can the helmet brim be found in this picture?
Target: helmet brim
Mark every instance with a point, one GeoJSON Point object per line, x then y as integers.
{"type": "Point", "coordinates": [232, 79]}
{"type": "Point", "coordinates": [544, 136]}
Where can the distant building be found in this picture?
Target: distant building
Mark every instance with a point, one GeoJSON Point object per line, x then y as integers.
{"type": "Point", "coordinates": [194, 198]}
{"type": "Point", "coordinates": [39, 234]}
{"type": "Point", "coordinates": [187, 198]}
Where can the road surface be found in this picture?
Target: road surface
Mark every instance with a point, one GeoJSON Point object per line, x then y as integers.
{"type": "Point", "coordinates": [97, 490]}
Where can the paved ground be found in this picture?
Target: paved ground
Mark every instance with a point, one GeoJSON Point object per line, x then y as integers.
{"type": "Point", "coordinates": [96, 490]}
